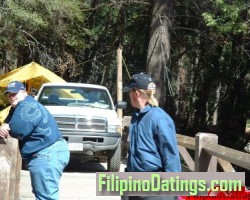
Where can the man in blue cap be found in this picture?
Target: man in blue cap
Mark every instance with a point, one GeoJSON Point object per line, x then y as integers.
{"type": "Point", "coordinates": [41, 144]}
{"type": "Point", "coordinates": [153, 143]}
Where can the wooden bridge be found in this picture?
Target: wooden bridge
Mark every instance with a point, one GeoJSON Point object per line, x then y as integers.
{"type": "Point", "coordinates": [201, 153]}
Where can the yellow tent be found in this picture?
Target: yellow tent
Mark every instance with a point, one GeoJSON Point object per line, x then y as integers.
{"type": "Point", "coordinates": [33, 75]}
{"type": "Point", "coordinates": [4, 113]}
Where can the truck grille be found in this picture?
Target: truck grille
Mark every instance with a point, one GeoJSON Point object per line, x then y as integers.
{"type": "Point", "coordinates": [79, 123]}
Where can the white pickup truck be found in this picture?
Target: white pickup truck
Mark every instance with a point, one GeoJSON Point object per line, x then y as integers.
{"type": "Point", "coordinates": [87, 119]}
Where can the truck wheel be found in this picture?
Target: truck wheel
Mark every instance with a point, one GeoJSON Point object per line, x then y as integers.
{"type": "Point", "coordinates": [114, 159]}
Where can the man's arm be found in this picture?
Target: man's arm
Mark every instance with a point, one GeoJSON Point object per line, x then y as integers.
{"type": "Point", "coordinates": [168, 145]}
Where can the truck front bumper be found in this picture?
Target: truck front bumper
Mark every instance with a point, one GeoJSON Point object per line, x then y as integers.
{"type": "Point", "coordinates": [92, 142]}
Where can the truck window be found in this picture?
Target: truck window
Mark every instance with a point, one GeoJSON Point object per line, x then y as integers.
{"type": "Point", "coordinates": [75, 96]}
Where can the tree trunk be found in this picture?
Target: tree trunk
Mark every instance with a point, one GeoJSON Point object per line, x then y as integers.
{"type": "Point", "coordinates": [159, 48]}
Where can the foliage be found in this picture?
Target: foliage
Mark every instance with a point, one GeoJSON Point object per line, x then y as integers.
{"type": "Point", "coordinates": [37, 29]}
{"type": "Point", "coordinates": [114, 24]}
{"type": "Point", "coordinates": [210, 47]}
{"type": "Point", "coordinates": [227, 17]}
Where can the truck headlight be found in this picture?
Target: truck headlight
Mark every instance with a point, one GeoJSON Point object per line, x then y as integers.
{"type": "Point", "coordinates": [114, 129]}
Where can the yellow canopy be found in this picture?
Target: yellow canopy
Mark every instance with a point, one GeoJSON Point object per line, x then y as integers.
{"type": "Point", "coordinates": [33, 74]}
{"type": "Point", "coordinates": [4, 113]}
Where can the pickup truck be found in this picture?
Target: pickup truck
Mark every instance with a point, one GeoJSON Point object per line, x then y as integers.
{"type": "Point", "coordinates": [87, 119]}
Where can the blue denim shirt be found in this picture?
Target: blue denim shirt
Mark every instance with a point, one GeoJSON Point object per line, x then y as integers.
{"type": "Point", "coordinates": [33, 125]}
{"type": "Point", "coordinates": [153, 143]}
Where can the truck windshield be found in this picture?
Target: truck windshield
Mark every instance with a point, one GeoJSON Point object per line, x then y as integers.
{"type": "Point", "coordinates": [75, 96]}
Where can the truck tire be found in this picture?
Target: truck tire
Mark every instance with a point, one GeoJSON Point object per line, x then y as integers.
{"type": "Point", "coordinates": [114, 159]}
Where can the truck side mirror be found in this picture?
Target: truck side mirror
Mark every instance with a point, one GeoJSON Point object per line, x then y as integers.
{"type": "Point", "coordinates": [121, 105]}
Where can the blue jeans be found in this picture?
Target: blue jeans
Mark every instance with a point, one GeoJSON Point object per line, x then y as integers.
{"type": "Point", "coordinates": [46, 169]}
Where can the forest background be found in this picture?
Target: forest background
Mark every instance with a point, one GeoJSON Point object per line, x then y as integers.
{"type": "Point", "coordinates": [198, 52]}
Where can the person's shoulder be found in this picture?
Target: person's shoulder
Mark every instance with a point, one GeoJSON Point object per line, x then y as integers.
{"type": "Point", "coordinates": [158, 110]}
{"type": "Point", "coordinates": [29, 98]}
{"type": "Point", "coordinates": [30, 101]}
{"type": "Point", "coordinates": [159, 113]}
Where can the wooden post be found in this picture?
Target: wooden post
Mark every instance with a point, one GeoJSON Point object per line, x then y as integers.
{"type": "Point", "coordinates": [125, 135]}
{"type": "Point", "coordinates": [5, 182]}
{"type": "Point", "coordinates": [28, 87]}
{"type": "Point", "coordinates": [119, 80]}
{"type": "Point", "coordinates": [205, 162]}
{"type": "Point", "coordinates": [10, 169]}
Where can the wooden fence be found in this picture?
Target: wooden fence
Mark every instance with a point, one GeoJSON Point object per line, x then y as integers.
{"type": "Point", "coordinates": [201, 153]}
{"type": "Point", "coordinates": [10, 169]}
{"type": "Point", "coordinates": [208, 154]}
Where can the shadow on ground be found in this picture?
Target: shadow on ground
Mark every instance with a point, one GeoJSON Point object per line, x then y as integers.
{"type": "Point", "coordinates": [85, 167]}
{"type": "Point", "coordinates": [91, 166]}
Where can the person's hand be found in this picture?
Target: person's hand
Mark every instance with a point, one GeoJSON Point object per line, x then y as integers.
{"type": "Point", "coordinates": [4, 130]}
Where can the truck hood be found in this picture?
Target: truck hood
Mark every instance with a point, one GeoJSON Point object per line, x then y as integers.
{"type": "Point", "coordinates": [110, 115]}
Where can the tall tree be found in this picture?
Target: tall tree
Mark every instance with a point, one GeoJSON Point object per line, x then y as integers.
{"type": "Point", "coordinates": [159, 48]}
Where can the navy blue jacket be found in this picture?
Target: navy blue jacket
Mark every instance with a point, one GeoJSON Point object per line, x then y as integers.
{"type": "Point", "coordinates": [153, 144]}
{"type": "Point", "coordinates": [33, 125]}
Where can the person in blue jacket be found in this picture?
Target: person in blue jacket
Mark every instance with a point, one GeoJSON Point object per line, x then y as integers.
{"type": "Point", "coordinates": [152, 135]}
{"type": "Point", "coordinates": [41, 144]}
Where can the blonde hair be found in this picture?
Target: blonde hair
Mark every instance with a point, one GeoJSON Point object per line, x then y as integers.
{"type": "Point", "coordinates": [150, 95]}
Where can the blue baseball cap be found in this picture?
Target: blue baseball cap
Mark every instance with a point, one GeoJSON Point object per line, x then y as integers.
{"type": "Point", "coordinates": [14, 87]}
{"type": "Point", "coordinates": [140, 81]}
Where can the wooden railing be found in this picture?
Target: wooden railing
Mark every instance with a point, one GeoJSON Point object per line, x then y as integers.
{"type": "Point", "coordinates": [208, 153]}
{"type": "Point", "coordinates": [10, 169]}
{"type": "Point", "coordinates": [201, 153]}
